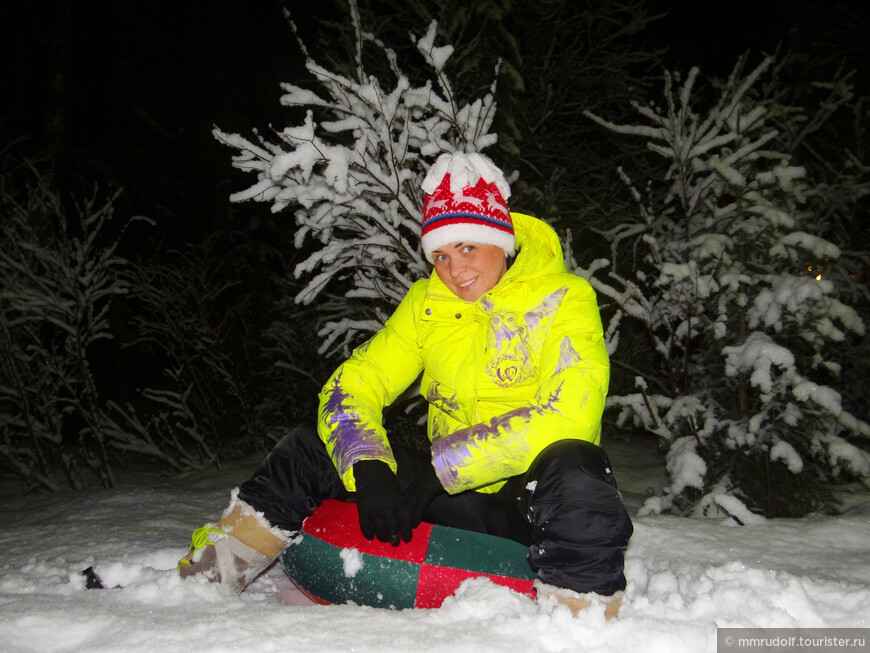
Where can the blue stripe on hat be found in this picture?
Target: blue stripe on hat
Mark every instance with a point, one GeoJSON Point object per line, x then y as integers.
{"type": "Point", "coordinates": [505, 225]}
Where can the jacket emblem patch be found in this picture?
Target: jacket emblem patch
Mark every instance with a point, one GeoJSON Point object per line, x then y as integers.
{"type": "Point", "coordinates": [507, 370]}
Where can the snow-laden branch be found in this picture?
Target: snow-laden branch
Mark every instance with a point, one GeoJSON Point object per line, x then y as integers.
{"type": "Point", "coordinates": [351, 172]}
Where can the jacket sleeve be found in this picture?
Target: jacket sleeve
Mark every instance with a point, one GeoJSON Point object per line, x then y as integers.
{"type": "Point", "coordinates": [352, 401]}
{"type": "Point", "coordinates": [573, 373]}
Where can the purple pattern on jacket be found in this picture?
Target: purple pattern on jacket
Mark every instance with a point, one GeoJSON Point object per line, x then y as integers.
{"type": "Point", "coordinates": [441, 401]}
{"type": "Point", "coordinates": [568, 356]}
{"type": "Point", "coordinates": [451, 452]}
{"type": "Point", "coordinates": [545, 309]}
{"type": "Point", "coordinates": [349, 437]}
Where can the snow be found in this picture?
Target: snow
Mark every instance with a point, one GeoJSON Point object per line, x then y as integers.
{"type": "Point", "coordinates": [686, 577]}
{"type": "Point", "coordinates": [686, 467]}
{"type": "Point", "coordinates": [782, 450]}
{"type": "Point", "coordinates": [352, 562]}
{"type": "Point", "coordinates": [439, 55]}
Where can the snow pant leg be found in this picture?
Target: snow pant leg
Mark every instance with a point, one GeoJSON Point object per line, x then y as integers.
{"type": "Point", "coordinates": [484, 513]}
{"type": "Point", "coordinates": [293, 479]}
{"type": "Point", "coordinates": [580, 527]}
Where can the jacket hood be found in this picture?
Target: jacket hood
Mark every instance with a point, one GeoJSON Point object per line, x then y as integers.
{"type": "Point", "coordinates": [538, 248]}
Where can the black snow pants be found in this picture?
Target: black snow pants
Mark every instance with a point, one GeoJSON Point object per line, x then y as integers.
{"type": "Point", "coordinates": [566, 507]}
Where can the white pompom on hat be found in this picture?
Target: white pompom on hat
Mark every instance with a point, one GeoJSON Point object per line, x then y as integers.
{"type": "Point", "coordinates": [466, 201]}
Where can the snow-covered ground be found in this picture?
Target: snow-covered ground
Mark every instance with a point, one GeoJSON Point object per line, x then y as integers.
{"type": "Point", "coordinates": [686, 578]}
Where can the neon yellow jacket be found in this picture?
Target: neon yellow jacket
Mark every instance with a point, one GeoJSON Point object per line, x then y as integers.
{"type": "Point", "coordinates": [505, 376]}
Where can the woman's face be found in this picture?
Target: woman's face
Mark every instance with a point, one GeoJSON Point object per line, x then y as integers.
{"type": "Point", "coordinates": [468, 269]}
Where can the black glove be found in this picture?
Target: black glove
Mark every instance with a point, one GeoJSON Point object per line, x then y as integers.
{"type": "Point", "coordinates": [379, 501]}
{"type": "Point", "coordinates": [422, 491]}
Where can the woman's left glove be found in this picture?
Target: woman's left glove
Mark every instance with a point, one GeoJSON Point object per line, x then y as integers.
{"type": "Point", "coordinates": [379, 501]}
{"type": "Point", "coordinates": [422, 491]}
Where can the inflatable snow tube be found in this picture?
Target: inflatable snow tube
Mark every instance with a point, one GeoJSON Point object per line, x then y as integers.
{"type": "Point", "coordinates": [334, 563]}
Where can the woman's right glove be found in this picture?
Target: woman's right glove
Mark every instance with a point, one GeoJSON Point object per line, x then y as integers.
{"type": "Point", "coordinates": [382, 510]}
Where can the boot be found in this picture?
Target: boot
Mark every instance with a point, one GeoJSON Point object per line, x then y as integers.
{"type": "Point", "coordinates": [235, 550]}
{"type": "Point", "coordinates": [577, 601]}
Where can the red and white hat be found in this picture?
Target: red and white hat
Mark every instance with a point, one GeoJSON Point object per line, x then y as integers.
{"type": "Point", "coordinates": [466, 201]}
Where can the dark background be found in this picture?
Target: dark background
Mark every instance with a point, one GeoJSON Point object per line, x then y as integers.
{"type": "Point", "coordinates": [106, 95]}
{"type": "Point", "coordinates": [140, 85]}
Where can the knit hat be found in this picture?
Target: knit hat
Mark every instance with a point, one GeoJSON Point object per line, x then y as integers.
{"type": "Point", "coordinates": [466, 201]}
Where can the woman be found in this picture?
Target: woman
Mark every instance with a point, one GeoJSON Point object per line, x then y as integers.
{"type": "Point", "coordinates": [514, 367]}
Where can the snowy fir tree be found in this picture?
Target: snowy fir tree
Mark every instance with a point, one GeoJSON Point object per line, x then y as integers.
{"type": "Point", "coordinates": [69, 414]}
{"type": "Point", "coordinates": [742, 387]}
{"type": "Point", "coordinates": [59, 276]}
{"type": "Point", "coordinates": [351, 173]}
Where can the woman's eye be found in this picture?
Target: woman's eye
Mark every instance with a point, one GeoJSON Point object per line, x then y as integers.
{"type": "Point", "coordinates": [468, 248]}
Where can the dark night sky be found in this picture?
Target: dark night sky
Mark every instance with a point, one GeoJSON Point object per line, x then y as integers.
{"type": "Point", "coordinates": [146, 81]}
